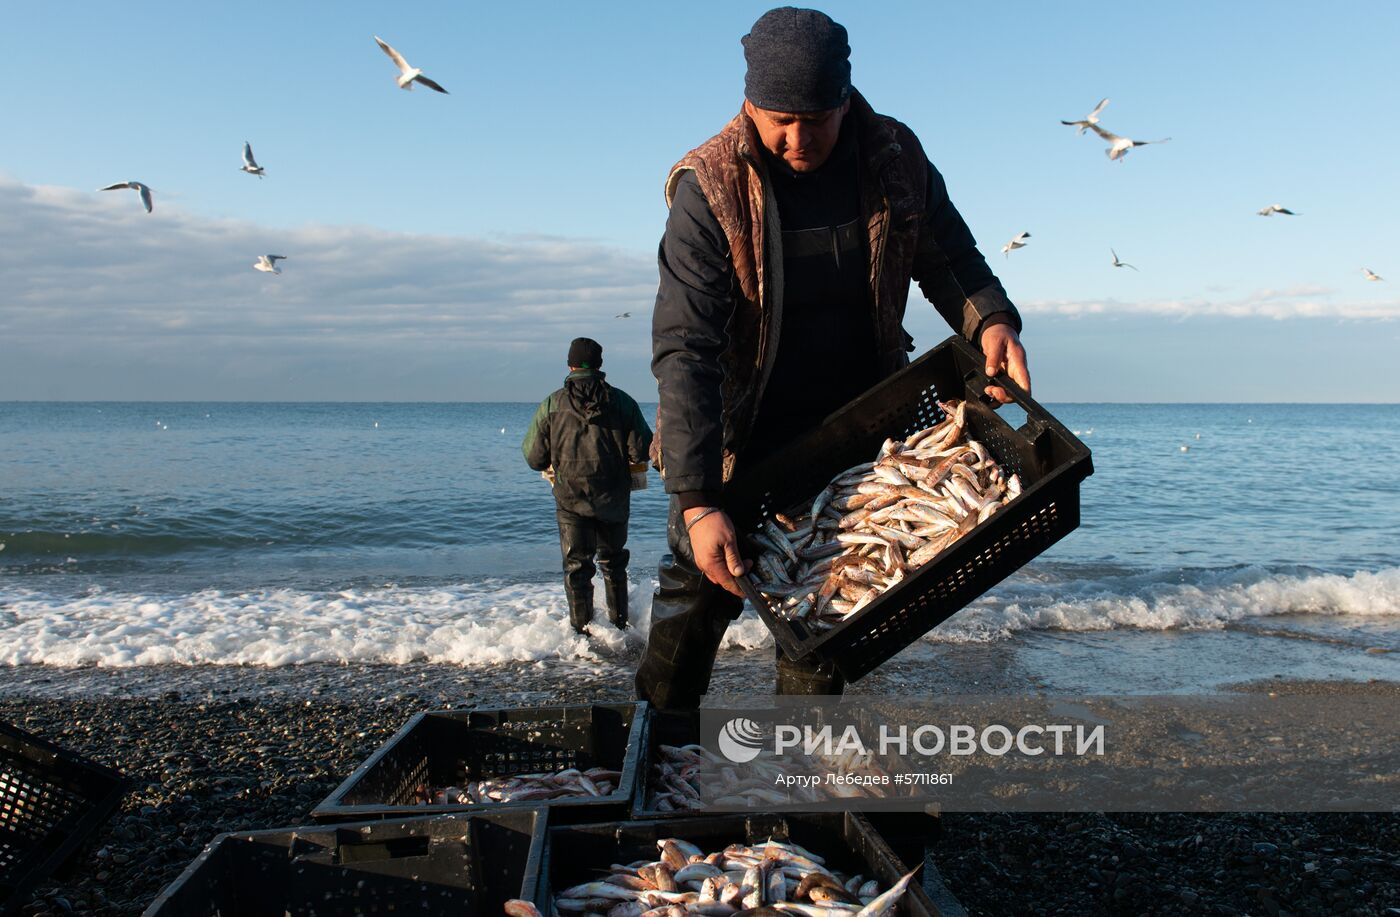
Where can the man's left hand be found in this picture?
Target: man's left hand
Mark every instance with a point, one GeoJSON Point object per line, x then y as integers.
{"type": "Point", "coordinates": [1002, 347]}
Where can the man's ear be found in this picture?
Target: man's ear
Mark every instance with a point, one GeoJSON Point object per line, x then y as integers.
{"type": "Point", "coordinates": [748, 109]}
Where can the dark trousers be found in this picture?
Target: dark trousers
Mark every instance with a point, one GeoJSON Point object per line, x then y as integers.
{"type": "Point", "coordinates": [581, 538]}
{"type": "Point", "coordinates": [689, 615]}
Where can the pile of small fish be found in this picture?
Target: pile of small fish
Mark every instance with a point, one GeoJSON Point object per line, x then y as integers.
{"type": "Point", "coordinates": [693, 777]}
{"type": "Point", "coordinates": [769, 879]}
{"type": "Point", "coordinates": [596, 781]}
{"type": "Point", "coordinates": [879, 520]}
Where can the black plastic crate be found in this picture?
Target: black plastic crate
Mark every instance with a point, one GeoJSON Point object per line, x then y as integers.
{"type": "Point", "coordinates": [447, 864]}
{"type": "Point", "coordinates": [51, 802]}
{"type": "Point", "coordinates": [1049, 459]}
{"type": "Point", "coordinates": [447, 747]}
{"type": "Point", "coordinates": [664, 727]}
{"type": "Point", "coordinates": [846, 840]}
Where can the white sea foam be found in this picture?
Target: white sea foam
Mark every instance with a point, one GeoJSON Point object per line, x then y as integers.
{"type": "Point", "coordinates": [1216, 601]}
{"type": "Point", "coordinates": [481, 623]}
{"type": "Point", "coordinates": [492, 622]}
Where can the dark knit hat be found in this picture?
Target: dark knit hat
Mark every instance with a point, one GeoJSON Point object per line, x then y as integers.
{"type": "Point", "coordinates": [798, 60]}
{"type": "Point", "coordinates": [586, 353]}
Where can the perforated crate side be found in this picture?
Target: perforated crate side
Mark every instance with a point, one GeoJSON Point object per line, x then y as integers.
{"type": "Point", "coordinates": [51, 802]}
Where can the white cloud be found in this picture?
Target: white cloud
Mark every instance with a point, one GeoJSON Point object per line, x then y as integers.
{"type": "Point", "coordinates": [92, 278]}
{"type": "Point", "coordinates": [73, 256]}
{"type": "Point", "coordinates": [1301, 302]}
{"type": "Point", "coordinates": [101, 300]}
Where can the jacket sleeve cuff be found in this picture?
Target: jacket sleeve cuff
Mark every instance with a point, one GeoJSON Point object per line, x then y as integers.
{"type": "Point", "coordinates": [982, 305]}
{"type": "Point", "coordinates": [997, 318]}
{"type": "Point", "coordinates": [693, 498]}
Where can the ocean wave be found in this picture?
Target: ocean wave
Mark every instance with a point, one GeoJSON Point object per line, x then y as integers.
{"type": "Point", "coordinates": [245, 530]}
{"type": "Point", "coordinates": [479, 624]}
{"type": "Point", "coordinates": [493, 621]}
{"type": "Point", "coordinates": [1214, 600]}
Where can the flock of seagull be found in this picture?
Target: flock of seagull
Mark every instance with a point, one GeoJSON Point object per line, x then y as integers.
{"type": "Point", "coordinates": [268, 263]}
{"type": "Point", "coordinates": [1118, 147]}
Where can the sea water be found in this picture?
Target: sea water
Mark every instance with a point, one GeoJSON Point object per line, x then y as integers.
{"type": "Point", "coordinates": [271, 534]}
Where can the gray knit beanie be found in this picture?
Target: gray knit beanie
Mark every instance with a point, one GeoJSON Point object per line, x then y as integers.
{"type": "Point", "coordinates": [798, 61]}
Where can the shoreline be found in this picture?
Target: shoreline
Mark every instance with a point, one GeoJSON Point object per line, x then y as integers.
{"type": "Point", "coordinates": [1117, 661]}
{"type": "Point", "coordinates": [202, 764]}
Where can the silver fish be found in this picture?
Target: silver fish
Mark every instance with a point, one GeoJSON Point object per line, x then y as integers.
{"type": "Point", "coordinates": [885, 902]}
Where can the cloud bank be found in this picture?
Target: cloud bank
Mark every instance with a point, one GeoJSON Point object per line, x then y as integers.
{"type": "Point", "coordinates": [93, 274]}
{"type": "Point", "coordinates": [1300, 302]}
{"type": "Point", "coordinates": [100, 300]}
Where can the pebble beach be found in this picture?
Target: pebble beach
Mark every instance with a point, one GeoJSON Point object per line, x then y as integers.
{"type": "Point", "coordinates": [261, 751]}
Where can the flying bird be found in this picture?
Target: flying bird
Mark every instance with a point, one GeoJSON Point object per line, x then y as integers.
{"type": "Point", "coordinates": [1090, 119]}
{"type": "Point", "coordinates": [134, 186]}
{"type": "Point", "coordinates": [1118, 147]}
{"type": "Point", "coordinates": [1117, 263]}
{"type": "Point", "coordinates": [1276, 208]}
{"type": "Point", "coordinates": [1018, 242]}
{"type": "Point", "coordinates": [1370, 274]}
{"type": "Point", "coordinates": [408, 75]}
{"type": "Point", "coordinates": [268, 263]}
{"type": "Point", "coordinates": [623, 315]}
{"type": "Point", "coordinates": [250, 165]}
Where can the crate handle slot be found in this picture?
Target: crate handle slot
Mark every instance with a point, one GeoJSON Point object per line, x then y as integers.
{"type": "Point", "coordinates": [393, 849]}
{"type": "Point", "coordinates": [303, 847]}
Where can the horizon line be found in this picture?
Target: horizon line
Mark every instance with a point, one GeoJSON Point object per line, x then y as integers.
{"type": "Point", "coordinates": [516, 401]}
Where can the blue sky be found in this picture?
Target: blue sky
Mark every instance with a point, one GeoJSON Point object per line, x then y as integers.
{"type": "Point", "coordinates": [447, 247]}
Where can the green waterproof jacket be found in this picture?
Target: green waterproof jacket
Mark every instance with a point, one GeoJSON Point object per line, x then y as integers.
{"type": "Point", "coordinates": [590, 432]}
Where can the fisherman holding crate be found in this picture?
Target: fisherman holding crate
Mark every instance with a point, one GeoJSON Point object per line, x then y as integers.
{"type": "Point", "coordinates": [792, 239]}
{"type": "Point", "coordinates": [585, 438]}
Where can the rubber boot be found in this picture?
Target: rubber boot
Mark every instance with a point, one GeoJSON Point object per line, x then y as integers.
{"type": "Point", "coordinates": [688, 619]}
{"type": "Point", "coordinates": [580, 597]}
{"type": "Point", "coordinates": [615, 589]}
{"type": "Point", "coordinates": [806, 678]}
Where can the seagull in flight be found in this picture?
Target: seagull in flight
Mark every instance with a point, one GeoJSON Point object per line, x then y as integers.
{"type": "Point", "coordinates": [1370, 274]}
{"type": "Point", "coordinates": [268, 263]}
{"type": "Point", "coordinates": [1090, 119]}
{"type": "Point", "coordinates": [250, 165]}
{"type": "Point", "coordinates": [134, 186]}
{"type": "Point", "coordinates": [407, 75]}
{"type": "Point", "coordinates": [623, 315]}
{"type": "Point", "coordinates": [1117, 263]}
{"type": "Point", "coordinates": [1018, 242]}
{"type": "Point", "coordinates": [1276, 208]}
{"type": "Point", "coordinates": [1118, 147]}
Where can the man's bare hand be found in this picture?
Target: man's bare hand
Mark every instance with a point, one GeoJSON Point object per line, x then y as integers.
{"type": "Point", "coordinates": [716, 548]}
{"type": "Point", "coordinates": [1002, 347]}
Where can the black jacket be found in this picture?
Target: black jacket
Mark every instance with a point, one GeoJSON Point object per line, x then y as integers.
{"type": "Point", "coordinates": [590, 432]}
{"type": "Point", "coordinates": [695, 303]}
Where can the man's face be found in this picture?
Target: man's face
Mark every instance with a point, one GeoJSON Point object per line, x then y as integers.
{"type": "Point", "coordinates": [803, 141]}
